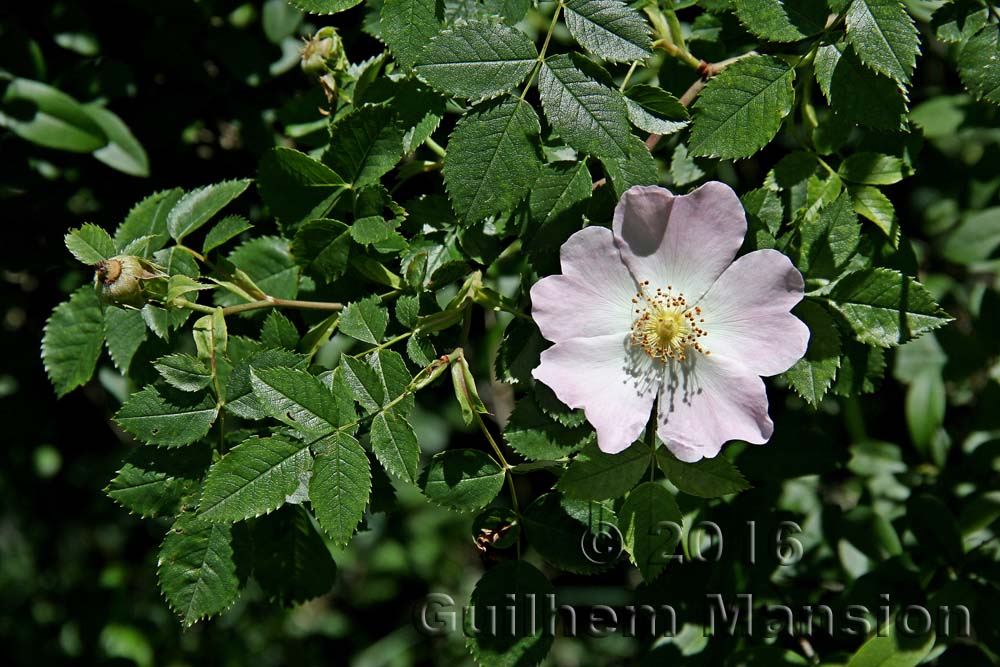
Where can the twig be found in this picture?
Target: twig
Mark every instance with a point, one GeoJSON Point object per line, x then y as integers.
{"type": "Point", "coordinates": [269, 302]}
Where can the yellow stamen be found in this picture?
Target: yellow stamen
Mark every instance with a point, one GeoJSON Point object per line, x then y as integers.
{"type": "Point", "coordinates": [664, 326]}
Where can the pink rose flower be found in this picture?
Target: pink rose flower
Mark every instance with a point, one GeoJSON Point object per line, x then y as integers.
{"type": "Point", "coordinates": [656, 309]}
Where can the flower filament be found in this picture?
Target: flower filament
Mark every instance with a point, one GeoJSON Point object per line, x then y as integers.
{"type": "Point", "coordinates": [664, 325]}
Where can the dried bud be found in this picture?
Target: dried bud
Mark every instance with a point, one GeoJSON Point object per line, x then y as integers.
{"type": "Point", "coordinates": [323, 53]}
{"type": "Point", "coordinates": [127, 280]}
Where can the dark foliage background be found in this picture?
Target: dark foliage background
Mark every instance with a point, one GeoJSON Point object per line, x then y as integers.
{"type": "Point", "coordinates": [206, 93]}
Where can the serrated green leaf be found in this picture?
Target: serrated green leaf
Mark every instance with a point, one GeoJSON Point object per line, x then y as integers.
{"type": "Point", "coordinates": [296, 187]}
{"type": "Point", "coordinates": [291, 561]}
{"type": "Point", "coordinates": [873, 169]}
{"type": "Point", "coordinates": [175, 261]}
{"type": "Point", "coordinates": [559, 188]}
{"type": "Point", "coordinates": [365, 320]}
{"type": "Point", "coordinates": [278, 331]}
{"type": "Point", "coordinates": [340, 485]}
{"type": "Point", "coordinates": [960, 20]}
{"type": "Point", "coordinates": [886, 308]}
{"type": "Point", "coordinates": [872, 204]}
{"type": "Point", "coordinates": [420, 349]}
{"type": "Point", "coordinates": [323, 248]}
{"type": "Point", "coordinates": [812, 375]}
{"type": "Point", "coordinates": [537, 437]}
{"type": "Point", "coordinates": [363, 382]}
{"type": "Point", "coordinates": [830, 241]}
{"type": "Point", "coordinates": [740, 111]}
{"type": "Point", "coordinates": [861, 369]}
{"type": "Point", "coordinates": [72, 341]}
{"type": "Point", "coordinates": [394, 376]}
{"type": "Point", "coordinates": [764, 209]}
{"type": "Point", "coordinates": [556, 409]}
{"type": "Point", "coordinates": [180, 285]}
{"type": "Point", "coordinates": [655, 110]}
{"type": "Point", "coordinates": [884, 37]}
{"type": "Point", "coordinates": [365, 145]}
{"type": "Point", "coordinates": [395, 446]}
{"type": "Point", "coordinates": [589, 116]}
{"type": "Point", "coordinates": [574, 535]}
{"type": "Point", "coordinates": [855, 92]}
{"type": "Point", "coordinates": [211, 337]}
{"type": "Point", "coordinates": [408, 310]}
{"type": "Point", "coordinates": [373, 229]}
{"type": "Point", "coordinates": [683, 169]}
{"type": "Point", "coordinates": [253, 479]}
{"type": "Point", "coordinates": [594, 475]}
{"type": "Point", "coordinates": [184, 372]}
{"type": "Point", "coordinates": [638, 168]}
{"type": "Point", "coordinates": [153, 482]}
{"type": "Point", "coordinates": [651, 528]}
{"type": "Point", "coordinates": [476, 60]}
{"type": "Point", "coordinates": [296, 398]}
{"type": "Point", "coordinates": [228, 228]}
{"type": "Point", "coordinates": [165, 417]}
{"type": "Point", "coordinates": [462, 479]}
{"type": "Point", "coordinates": [342, 396]}
{"type": "Point", "coordinates": [782, 20]}
{"type": "Point", "coordinates": [324, 6]}
{"type": "Point", "coordinates": [90, 244]}
{"type": "Point", "coordinates": [161, 321]}
{"type": "Point", "coordinates": [893, 649]}
{"type": "Point", "coordinates": [240, 399]}
{"type": "Point", "coordinates": [408, 25]}
{"type": "Point", "coordinates": [199, 206]}
{"type": "Point", "coordinates": [196, 570]}
{"type": "Point", "coordinates": [608, 28]}
{"type": "Point", "coordinates": [707, 478]}
{"type": "Point", "coordinates": [518, 637]}
{"type": "Point", "coordinates": [268, 261]}
{"type": "Point", "coordinates": [49, 117]}
{"type": "Point", "coordinates": [149, 218]}
{"type": "Point", "coordinates": [979, 64]}
{"type": "Point", "coordinates": [492, 159]}
{"type": "Point", "coordinates": [124, 332]}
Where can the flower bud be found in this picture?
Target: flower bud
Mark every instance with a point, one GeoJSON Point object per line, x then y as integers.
{"type": "Point", "coordinates": [323, 53]}
{"type": "Point", "coordinates": [127, 280]}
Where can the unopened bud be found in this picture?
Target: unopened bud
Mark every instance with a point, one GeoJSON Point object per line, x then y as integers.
{"type": "Point", "coordinates": [323, 53]}
{"type": "Point", "coordinates": [127, 280]}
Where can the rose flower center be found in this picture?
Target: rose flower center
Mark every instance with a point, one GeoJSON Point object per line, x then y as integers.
{"type": "Point", "coordinates": [664, 326]}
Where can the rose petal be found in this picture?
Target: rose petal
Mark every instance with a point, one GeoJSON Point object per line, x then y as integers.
{"type": "Point", "coordinates": [614, 383]}
{"type": "Point", "coordinates": [594, 295]}
{"type": "Point", "coordinates": [685, 242]}
{"type": "Point", "coordinates": [707, 401]}
{"type": "Point", "coordinates": [746, 313]}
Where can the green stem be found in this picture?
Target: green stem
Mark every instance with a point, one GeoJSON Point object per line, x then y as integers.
{"type": "Point", "coordinates": [506, 469]}
{"type": "Point", "coordinates": [677, 34]}
{"type": "Point", "coordinates": [434, 146]}
{"type": "Point", "coordinates": [545, 48]}
{"type": "Point", "coordinates": [621, 88]}
{"type": "Point", "coordinates": [194, 253]}
{"type": "Point", "coordinates": [388, 343]}
{"type": "Point", "coordinates": [181, 302]}
{"type": "Point", "coordinates": [269, 302]}
{"type": "Point", "coordinates": [670, 35]}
